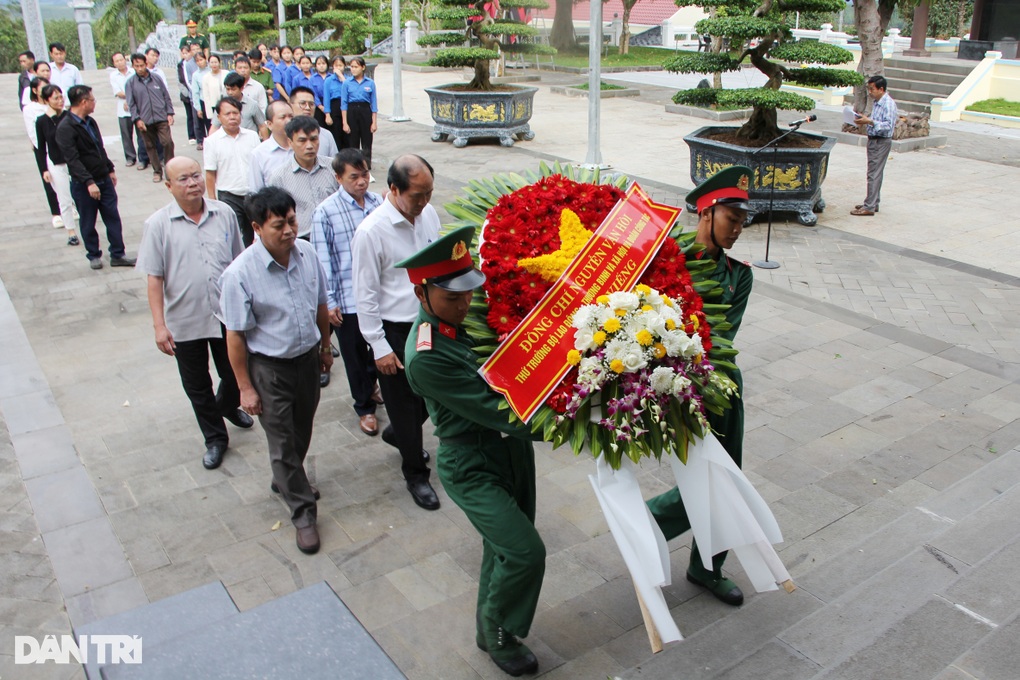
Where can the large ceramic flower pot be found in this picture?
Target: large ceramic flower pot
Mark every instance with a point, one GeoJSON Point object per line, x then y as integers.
{"type": "Point", "coordinates": [798, 181]}
{"type": "Point", "coordinates": [466, 114]}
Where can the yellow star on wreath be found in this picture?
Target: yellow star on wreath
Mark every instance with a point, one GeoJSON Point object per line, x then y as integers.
{"type": "Point", "coordinates": [573, 236]}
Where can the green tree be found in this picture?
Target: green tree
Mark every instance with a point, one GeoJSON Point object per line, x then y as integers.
{"type": "Point", "coordinates": [759, 31]}
{"type": "Point", "coordinates": [351, 21]}
{"type": "Point", "coordinates": [486, 37]}
{"type": "Point", "coordinates": [13, 40]}
{"type": "Point", "coordinates": [140, 16]}
{"type": "Point", "coordinates": [243, 23]}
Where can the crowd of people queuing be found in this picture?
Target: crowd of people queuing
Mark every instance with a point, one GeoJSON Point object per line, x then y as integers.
{"type": "Point", "coordinates": [272, 244]}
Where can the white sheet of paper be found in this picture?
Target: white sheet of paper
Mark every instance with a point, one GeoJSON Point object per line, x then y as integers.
{"type": "Point", "coordinates": [849, 117]}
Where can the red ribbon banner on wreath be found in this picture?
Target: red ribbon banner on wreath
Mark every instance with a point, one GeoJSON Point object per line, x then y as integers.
{"type": "Point", "coordinates": [532, 360]}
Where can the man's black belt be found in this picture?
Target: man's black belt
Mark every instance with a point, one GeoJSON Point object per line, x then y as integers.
{"type": "Point", "coordinates": [282, 360]}
{"type": "Point", "coordinates": [878, 137]}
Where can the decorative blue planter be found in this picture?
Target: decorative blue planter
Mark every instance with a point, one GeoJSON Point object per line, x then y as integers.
{"type": "Point", "coordinates": [465, 114]}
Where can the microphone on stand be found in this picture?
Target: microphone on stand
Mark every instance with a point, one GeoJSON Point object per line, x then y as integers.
{"type": "Point", "coordinates": [810, 119]}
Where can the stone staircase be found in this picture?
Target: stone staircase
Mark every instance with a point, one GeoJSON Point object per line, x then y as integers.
{"type": "Point", "coordinates": [931, 594]}
{"type": "Point", "coordinates": [913, 83]}
{"type": "Point", "coordinates": [309, 634]}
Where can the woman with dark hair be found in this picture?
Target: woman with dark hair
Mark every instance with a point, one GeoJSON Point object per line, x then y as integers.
{"type": "Point", "coordinates": [359, 109]}
{"type": "Point", "coordinates": [50, 158]}
{"type": "Point", "coordinates": [318, 88]}
{"type": "Point", "coordinates": [34, 108]}
{"type": "Point", "coordinates": [331, 101]}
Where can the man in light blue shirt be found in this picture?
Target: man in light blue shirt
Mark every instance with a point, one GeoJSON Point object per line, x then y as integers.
{"type": "Point", "coordinates": [274, 307]}
{"type": "Point", "coordinates": [333, 224]}
{"type": "Point", "coordinates": [881, 125]}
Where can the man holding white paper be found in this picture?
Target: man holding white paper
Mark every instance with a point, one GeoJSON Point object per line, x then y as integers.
{"type": "Point", "coordinates": [881, 125]}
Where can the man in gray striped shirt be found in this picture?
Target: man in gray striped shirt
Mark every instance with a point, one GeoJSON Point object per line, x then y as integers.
{"type": "Point", "coordinates": [274, 307]}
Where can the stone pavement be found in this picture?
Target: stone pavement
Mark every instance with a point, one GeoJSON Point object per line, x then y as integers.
{"type": "Point", "coordinates": [882, 422]}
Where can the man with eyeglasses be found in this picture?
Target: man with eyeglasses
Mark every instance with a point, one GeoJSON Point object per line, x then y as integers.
{"type": "Point", "coordinates": [302, 100]}
{"type": "Point", "coordinates": [185, 248]}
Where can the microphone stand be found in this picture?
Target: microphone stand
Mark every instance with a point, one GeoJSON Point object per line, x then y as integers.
{"type": "Point", "coordinates": [794, 127]}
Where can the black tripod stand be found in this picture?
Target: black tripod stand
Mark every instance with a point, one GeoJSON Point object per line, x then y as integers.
{"type": "Point", "coordinates": [767, 263]}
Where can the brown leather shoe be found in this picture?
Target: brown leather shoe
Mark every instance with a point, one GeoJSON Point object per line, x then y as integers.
{"type": "Point", "coordinates": [377, 395]}
{"type": "Point", "coordinates": [308, 540]}
{"type": "Point", "coordinates": [862, 212]}
{"type": "Point", "coordinates": [369, 424]}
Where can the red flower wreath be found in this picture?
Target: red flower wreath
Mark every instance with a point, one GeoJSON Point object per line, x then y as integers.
{"type": "Point", "coordinates": [526, 224]}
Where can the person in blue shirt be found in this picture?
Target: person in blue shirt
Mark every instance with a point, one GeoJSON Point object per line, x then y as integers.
{"type": "Point", "coordinates": [280, 74]}
{"type": "Point", "coordinates": [294, 69]}
{"type": "Point", "coordinates": [331, 101]}
{"type": "Point", "coordinates": [318, 87]}
{"type": "Point", "coordinates": [303, 78]}
{"type": "Point", "coordinates": [359, 109]}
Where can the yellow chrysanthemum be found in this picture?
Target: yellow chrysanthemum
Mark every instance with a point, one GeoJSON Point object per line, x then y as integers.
{"type": "Point", "coordinates": [646, 308]}
{"type": "Point", "coordinates": [694, 320]}
{"type": "Point", "coordinates": [573, 236]}
{"type": "Point", "coordinates": [616, 366]}
{"type": "Point", "coordinates": [698, 358]}
{"type": "Point", "coordinates": [602, 299]}
{"type": "Point", "coordinates": [573, 357]}
{"type": "Point", "coordinates": [670, 325]}
{"type": "Point", "coordinates": [611, 325]}
{"type": "Point", "coordinates": [599, 338]}
{"type": "Point", "coordinates": [644, 337]}
{"type": "Point", "coordinates": [666, 300]}
{"type": "Point", "coordinates": [643, 289]}
{"type": "Point", "coordinates": [621, 313]}
{"type": "Point", "coordinates": [660, 350]}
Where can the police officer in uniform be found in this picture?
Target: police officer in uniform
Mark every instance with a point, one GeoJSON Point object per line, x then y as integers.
{"type": "Point", "coordinates": [722, 203]}
{"type": "Point", "coordinates": [490, 475]}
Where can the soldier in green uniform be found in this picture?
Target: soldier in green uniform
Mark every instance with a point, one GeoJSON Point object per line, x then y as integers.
{"type": "Point", "coordinates": [193, 37]}
{"type": "Point", "coordinates": [487, 464]}
{"type": "Point", "coordinates": [722, 204]}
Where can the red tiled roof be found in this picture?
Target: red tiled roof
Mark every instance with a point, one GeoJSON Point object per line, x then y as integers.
{"type": "Point", "coordinates": [647, 12]}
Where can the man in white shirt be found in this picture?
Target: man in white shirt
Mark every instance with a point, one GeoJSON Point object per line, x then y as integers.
{"type": "Point", "coordinates": [118, 77]}
{"type": "Point", "coordinates": [387, 307]}
{"type": "Point", "coordinates": [152, 63]}
{"type": "Point", "coordinates": [275, 151]}
{"type": "Point", "coordinates": [62, 73]}
{"type": "Point", "coordinates": [228, 154]}
{"type": "Point", "coordinates": [242, 67]}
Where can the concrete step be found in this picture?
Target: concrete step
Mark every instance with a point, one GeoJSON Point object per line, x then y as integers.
{"type": "Point", "coordinates": [923, 76]}
{"type": "Point", "coordinates": [162, 621]}
{"type": "Point", "coordinates": [936, 89]}
{"type": "Point", "coordinates": [931, 588]}
{"type": "Point", "coordinates": [309, 634]}
{"type": "Point", "coordinates": [962, 68]}
{"type": "Point", "coordinates": [912, 107]}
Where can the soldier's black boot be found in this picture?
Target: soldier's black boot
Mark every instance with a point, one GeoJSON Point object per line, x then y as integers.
{"type": "Point", "coordinates": [511, 655]}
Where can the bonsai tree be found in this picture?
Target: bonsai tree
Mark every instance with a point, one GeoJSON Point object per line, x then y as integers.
{"type": "Point", "coordinates": [757, 30]}
{"type": "Point", "coordinates": [484, 38]}
{"type": "Point", "coordinates": [242, 21]}
{"type": "Point", "coordinates": [349, 19]}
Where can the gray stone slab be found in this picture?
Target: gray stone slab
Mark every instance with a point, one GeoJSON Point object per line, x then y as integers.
{"type": "Point", "coordinates": [996, 657]}
{"type": "Point", "coordinates": [774, 661]}
{"type": "Point", "coordinates": [63, 499]}
{"type": "Point", "coordinates": [30, 412]}
{"type": "Point", "coordinates": [20, 378]}
{"type": "Point", "coordinates": [86, 556]}
{"type": "Point", "coordinates": [327, 642]}
{"type": "Point", "coordinates": [916, 648]}
{"type": "Point", "coordinates": [161, 622]}
{"type": "Point", "coordinates": [991, 590]}
{"type": "Point", "coordinates": [985, 531]}
{"type": "Point", "coordinates": [44, 451]}
{"type": "Point", "coordinates": [862, 615]}
{"type": "Point", "coordinates": [981, 487]}
{"type": "Point", "coordinates": [110, 600]}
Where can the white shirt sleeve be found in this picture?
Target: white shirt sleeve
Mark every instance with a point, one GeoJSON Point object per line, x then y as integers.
{"type": "Point", "coordinates": [367, 284]}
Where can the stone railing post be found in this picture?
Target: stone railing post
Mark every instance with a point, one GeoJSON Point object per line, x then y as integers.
{"type": "Point", "coordinates": [83, 17]}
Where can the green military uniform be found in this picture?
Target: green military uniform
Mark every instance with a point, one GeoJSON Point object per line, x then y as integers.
{"type": "Point", "coordinates": [727, 187]}
{"type": "Point", "coordinates": [486, 463]}
{"type": "Point", "coordinates": [199, 39]}
{"type": "Point", "coordinates": [264, 78]}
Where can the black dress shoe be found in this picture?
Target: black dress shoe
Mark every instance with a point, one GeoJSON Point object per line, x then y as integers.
{"type": "Point", "coordinates": [723, 589]}
{"type": "Point", "coordinates": [323, 379]}
{"type": "Point", "coordinates": [315, 492]}
{"type": "Point", "coordinates": [390, 437]}
{"type": "Point", "coordinates": [122, 262]}
{"type": "Point", "coordinates": [213, 456]}
{"type": "Point", "coordinates": [240, 419]}
{"type": "Point", "coordinates": [423, 494]}
{"type": "Point", "coordinates": [510, 654]}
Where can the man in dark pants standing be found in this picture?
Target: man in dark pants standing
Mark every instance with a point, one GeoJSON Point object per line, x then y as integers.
{"type": "Point", "coordinates": [881, 126]}
{"type": "Point", "coordinates": [489, 476]}
{"type": "Point", "coordinates": [722, 203]}
{"type": "Point", "coordinates": [274, 308]}
{"type": "Point", "coordinates": [93, 180]}
{"type": "Point", "coordinates": [334, 222]}
{"type": "Point", "coordinates": [152, 112]}
{"type": "Point", "coordinates": [387, 307]}
{"type": "Point", "coordinates": [185, 248]}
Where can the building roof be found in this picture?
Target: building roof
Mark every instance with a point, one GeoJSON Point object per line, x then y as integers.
{"type": "Point", "coordinates": [645, 12]}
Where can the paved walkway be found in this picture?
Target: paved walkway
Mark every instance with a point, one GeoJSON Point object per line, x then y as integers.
{"type": "Point", "coordinates": [882, 420]}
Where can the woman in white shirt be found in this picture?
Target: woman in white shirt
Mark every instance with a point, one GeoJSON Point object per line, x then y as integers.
{"type": "Point", "coordinates": [212, 87]}
{"type": "Point", "coordinates": [33, 109]}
